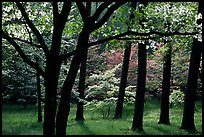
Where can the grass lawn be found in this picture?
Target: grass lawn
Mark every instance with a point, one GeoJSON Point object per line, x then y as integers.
{"type": "Point", "coordinates": [17, 120]}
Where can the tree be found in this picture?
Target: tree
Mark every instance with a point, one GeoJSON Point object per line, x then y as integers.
{"type": "Point", "coordinates": [190, 94]}
{"type": "Point", "coordinates": [81, 89]}
{"type": "Point", "coordinates": [53, 58]}
{"type": "Point", "coordinates": [123, 82]}
{"type": "Point", "coordinates": [39, 95]}
{"type": "Point", "coordinates": [164, 114]}
{"type": "Point", "coordinates": [91, 23]}
{"type": "Point", "coordinates": [139, 101]}
{"type": "Point", "coordinates": [121, 94]}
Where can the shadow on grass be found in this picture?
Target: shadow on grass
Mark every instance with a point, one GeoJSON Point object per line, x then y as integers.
{"type": "Point", "coordinates": [84, 127]}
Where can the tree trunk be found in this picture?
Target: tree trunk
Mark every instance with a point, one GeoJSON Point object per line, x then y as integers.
{"type": "Point", "coordinates": [123, 82]}
{"type": "Point", "coordinates": [51, 81]}
{"type": "Point", "coordinates": [190, 95]}
{"type": "Point", "coordinates": [39, 95]}
{"type": "Point", "coordinates": [164, 114]}
{"type": "Point", "coordinates": [140, 92]}
{"type": "Point", "coordinates": [64, 105]}
{"type": "Point", "coordinates": [80, 109]}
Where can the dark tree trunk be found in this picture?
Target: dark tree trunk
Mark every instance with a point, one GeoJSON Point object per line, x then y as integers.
{"type": "Point", "coordinates": [51, 81]}
{"type": "Point", "coordinates": [80, 109]}
{"type": "Point", "coordinates": [164, 114]}
{"type": "Point", "coordinates": [64, 105]}
{"type": "Point", "coordinates": [190, 94]}
{"type": "Point", "coordinates": [140, 92]}
{"type": "Point", "coordinates": [123, 81]}
{"type": "Point", "coordinates": [201, 71]}
{"type": "Point", "coordinates": [39, 95]}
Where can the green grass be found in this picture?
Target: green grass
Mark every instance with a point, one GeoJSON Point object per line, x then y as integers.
{"type": "Point", "coordinates": [17, 120]}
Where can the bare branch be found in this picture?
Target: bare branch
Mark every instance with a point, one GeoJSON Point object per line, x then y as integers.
{"type": "Point", "coordinates": [100, 9]}
{"type": "Point", "coordinates": [59, 24]}
{"type": "Point", "coordinates": [107, 39]}
{"type": "Point", "coordinates": [65, 12]}
{"type": "Point", "coordinates": [162, 34]}
{"type": "Point", "coordinates": [33, 28]}
{"type": "Point", "coordinates": [25, 41]}
{"type": "Point", "coordinates": [63, 57]}
{"type": "Point", "coordinates": [22, 54]}
{"type": "Point", "coordinates": [28, 33]}
{"type": "Point", "coordinates": [107, 15]}
{"type": "Point", "coordinates": [82, 10]}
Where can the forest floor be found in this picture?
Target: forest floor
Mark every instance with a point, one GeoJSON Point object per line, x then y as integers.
{"type": "Point", "coordinates": [18, 120]}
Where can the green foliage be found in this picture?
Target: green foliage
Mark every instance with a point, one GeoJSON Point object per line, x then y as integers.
{"type": "Point", "coordinates": [176, 97]}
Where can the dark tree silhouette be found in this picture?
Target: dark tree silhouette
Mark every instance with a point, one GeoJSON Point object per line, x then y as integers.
{"type": "Point", "coordinates": [190, 94]}
{"type": "Point", "coordinates": [164, 114]}
{"type": "Point", "coordinates": [123, 81]}
{"type": "Point", "coordinates": [91, 23]}
{"type": "Point", "coordinates": [140, 92]}
{"type": "Point", "coordinates": [82, 77]}
{"type": "Point", "coordinates": [125, 67]}
{"type": "Point", "coordinates": [81, 89]}
{"type": "Point", "coordinates": [53, 59]}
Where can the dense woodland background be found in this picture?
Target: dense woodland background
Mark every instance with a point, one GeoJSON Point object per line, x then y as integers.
{"type": "Point", "coordinates": [102, 55]}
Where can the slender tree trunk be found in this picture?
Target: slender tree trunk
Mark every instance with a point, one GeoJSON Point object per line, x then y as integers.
{"type": "Point", "coordinates": [164, 114]}
{"type": "Point", "coordinates": [51, 81]}
{"type": "Point", "coordinates": [39, 95]}
{"type": "Point", "coordinates": [80, 109]}
{"type": "Point", "coordinates": [64, 105]}
{"type": "Point", "coordinates": [123, 82]}
{"type": "Point", "coordinates": [190, 95]}
{"type": "Point", "coordinates": [140, 92]}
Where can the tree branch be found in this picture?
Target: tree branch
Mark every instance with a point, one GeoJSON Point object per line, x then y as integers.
{"type": "Point", "coordinates": [25, 41]}
{"type": "Point", "coordinates": [88, 8]}
{"type": "Point", "coordinates": [55, 9]}
{"type": "Point", "coordinates": [22, 54]}
{"type": "Point", "coordinates": [33, 28]}
{"type": "Point", "coordinates": [139, 34]}
{"type": "Point", "coordinates": [161, 33]}
{"type": "Point", "coordinates": [28, 33]}
{"type": "Point", "coordinates": [82, 10]}
{"type": "Point", "coordinates": [59, 24]}
{"type": "Point", "coordinates": [135, 38]}
{"type": "Point", "coordinates": [65, 12]}
{"type": "Point", "coordinates": [63, 57]}
{"type": "Point", "coordinates": [107, 15]}
{"type": "Point", "coordinates": [107, 39]}
{"type": "Point", "coordinates": [99, 10]}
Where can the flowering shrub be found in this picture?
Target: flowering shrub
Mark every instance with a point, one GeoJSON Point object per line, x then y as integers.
{"type": "Point", "coordinates": [176, 97]}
